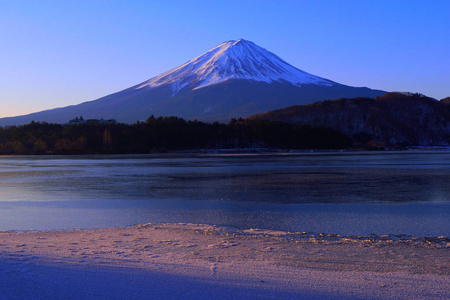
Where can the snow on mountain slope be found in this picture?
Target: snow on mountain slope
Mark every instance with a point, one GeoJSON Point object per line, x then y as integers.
{"type": "Point", "coordinates": [235, 79]}
{"type": "Point", "coordinates": [239, 59]}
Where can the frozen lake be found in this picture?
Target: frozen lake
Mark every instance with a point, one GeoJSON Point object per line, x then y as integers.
{"type": "Point", "coordinates": [346, 193]}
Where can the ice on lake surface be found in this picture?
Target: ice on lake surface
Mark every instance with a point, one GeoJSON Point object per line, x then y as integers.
{"type": "Point", "coordinates": [347, 193]}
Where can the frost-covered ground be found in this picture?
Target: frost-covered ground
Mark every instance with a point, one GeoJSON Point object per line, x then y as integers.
{"type": "Point", "coordinates": [188, 261]}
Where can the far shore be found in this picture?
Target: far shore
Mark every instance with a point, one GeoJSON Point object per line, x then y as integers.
{"type": "Point", "coordinates": [245, 151]}
{"type": "Point", "coordinates": [192, 261]}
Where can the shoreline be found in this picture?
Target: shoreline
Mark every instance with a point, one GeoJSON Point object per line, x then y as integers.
{"type": "Point", "coordinates": [309, 236]}
{"type": "Point", "coordinates": [253, 262]}
{"type": "Point", "coordinates": [250, 151]}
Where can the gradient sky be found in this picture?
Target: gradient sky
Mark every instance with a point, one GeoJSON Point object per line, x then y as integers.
{"type": "Point", "coordinates": [58, 53]}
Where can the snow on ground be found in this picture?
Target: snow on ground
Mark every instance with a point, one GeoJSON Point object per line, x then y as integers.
{"type": "Point", "coordinates": [189, 261]}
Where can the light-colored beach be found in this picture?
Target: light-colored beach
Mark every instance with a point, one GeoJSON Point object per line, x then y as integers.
{"type": "Point", "coordinates": [189, 261]}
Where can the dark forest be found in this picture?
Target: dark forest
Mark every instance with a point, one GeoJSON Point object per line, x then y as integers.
{"type": "Point", "coordinates": [164, 134]}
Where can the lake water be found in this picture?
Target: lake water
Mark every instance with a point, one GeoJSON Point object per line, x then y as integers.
{"type": "Point", "coordinates": [345, 193]}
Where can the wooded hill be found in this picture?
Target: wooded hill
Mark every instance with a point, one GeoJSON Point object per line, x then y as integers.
{"type": "Point", "coordinates": [394, 119]}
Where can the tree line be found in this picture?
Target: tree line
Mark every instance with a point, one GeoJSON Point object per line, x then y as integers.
{"type": "Point", "coordinates": [164, 134]}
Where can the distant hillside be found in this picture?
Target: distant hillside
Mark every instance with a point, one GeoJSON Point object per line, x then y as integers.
{"type": "Point", "coordinates": [393, 119]}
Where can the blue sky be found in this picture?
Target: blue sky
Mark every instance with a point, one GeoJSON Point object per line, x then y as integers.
{"type": "Point", "coordinates": [58, 53]}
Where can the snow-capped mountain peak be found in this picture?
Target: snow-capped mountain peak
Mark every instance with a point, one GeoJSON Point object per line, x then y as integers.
{"type": "Point", "coordinates": [235, 79]}
{"type": "Point", "coordinates": [238, 59]}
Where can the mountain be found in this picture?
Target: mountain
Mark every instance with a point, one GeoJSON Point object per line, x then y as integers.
{"type": "Point", "coordinates": [393, 119]}
{"type": "Point", "coordinates": [234, 79]}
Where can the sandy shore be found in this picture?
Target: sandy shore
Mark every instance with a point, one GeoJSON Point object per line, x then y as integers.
{"type": "Point", "coordinates": [182, 261]}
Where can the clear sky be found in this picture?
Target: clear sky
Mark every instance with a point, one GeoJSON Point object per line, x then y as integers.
{"type": "Point", "coordinates": [55, 53]}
